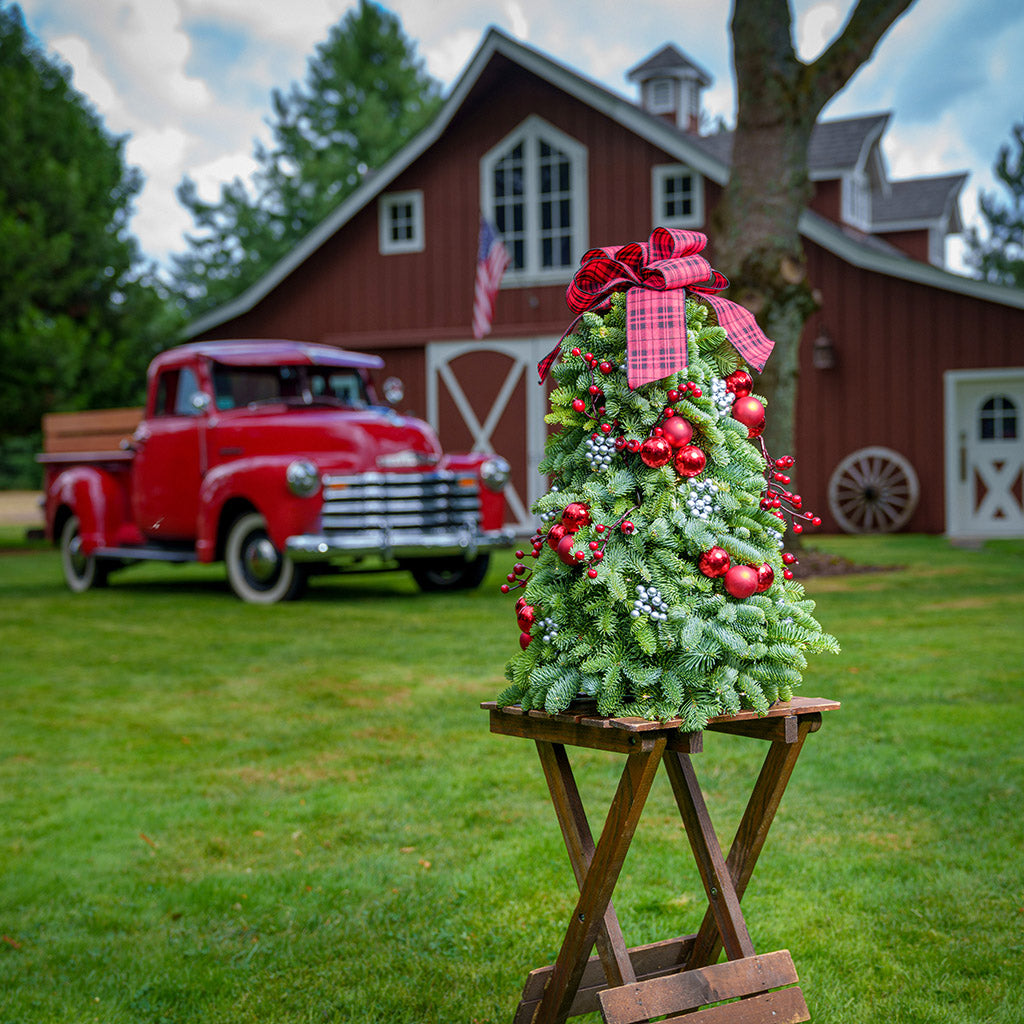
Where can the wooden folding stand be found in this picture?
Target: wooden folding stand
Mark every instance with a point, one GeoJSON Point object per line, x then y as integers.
{"type": "Point", "coordinates": [677, 977]}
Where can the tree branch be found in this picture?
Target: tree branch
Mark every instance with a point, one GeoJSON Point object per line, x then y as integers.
{"type": "Point", "coordinates": [868, 22]}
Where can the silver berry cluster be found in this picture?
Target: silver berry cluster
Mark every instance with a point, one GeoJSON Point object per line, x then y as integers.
{"type": "Point", "coordinates": [600, 451]}
{"type": "Point", "coordinates": [722, 396]}
{"type": "Point", "coordinates": [700, 498]}
{"type": "Point", "coordinates": [776, 537]}
{"type": "Point", "coordinates": [549, 629]}
{"type": "Point", "coordinates": [649, 602]}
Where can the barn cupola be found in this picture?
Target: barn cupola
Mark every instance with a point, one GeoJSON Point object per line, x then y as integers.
{"type": "Point", "coordinates": [670, 87]}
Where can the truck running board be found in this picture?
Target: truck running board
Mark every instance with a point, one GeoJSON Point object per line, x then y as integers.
{"type": "Point", "coordinates": [149, 554]}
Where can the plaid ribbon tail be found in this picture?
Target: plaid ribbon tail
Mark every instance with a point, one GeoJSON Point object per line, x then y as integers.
{"type": "Point", "coordinates": [744, 333]}
{"type": "Point", "coordinates": [656, 328]}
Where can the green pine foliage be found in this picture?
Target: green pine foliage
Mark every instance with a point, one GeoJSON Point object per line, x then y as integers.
{"type": "Point", "coordinates": [649, 634]}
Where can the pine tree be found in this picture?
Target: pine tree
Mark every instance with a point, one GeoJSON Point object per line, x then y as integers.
{"type": "Point", "coordinates": [365, 95]}
{"type": "Point", "coordinates": [998, 256]}
{"type": "Point", "coordinates": [660, 587]}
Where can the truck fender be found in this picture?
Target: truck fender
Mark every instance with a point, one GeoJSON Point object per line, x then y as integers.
{"type": "Point", "coordinates": [99, 500]}
{"type": "Point", "coordinates": [259, 483]}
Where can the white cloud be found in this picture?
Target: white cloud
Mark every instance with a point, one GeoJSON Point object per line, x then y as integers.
{"type": "Point", "coordinates": [816, 28]}
{"type": "Point", "coordinates": [517, 19]}
{"type": "Point", "coordinates": [88, 76]}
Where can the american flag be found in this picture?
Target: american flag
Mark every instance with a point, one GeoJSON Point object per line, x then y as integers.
{"type": "Point", "coordinates": [491, 261]}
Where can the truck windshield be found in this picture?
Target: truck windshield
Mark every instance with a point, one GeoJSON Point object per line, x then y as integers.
{"type": "Point", "coordinates": [242, 386]}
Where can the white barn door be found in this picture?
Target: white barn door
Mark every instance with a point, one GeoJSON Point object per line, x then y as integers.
{"type": "Point", "coordinates": [449, 383]}
{"type": "Point", "coordinates": [985, 453]}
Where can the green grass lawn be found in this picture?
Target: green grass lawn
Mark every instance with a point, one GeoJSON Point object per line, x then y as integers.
{"type": "Point", "coordinates": [216, 812]}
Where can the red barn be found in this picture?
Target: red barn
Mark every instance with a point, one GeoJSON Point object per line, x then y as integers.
{"type": "Point", "coordinates": [912, 378]}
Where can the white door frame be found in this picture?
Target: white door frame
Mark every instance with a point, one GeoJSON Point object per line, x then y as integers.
{"type": "Point", "coordinates": [956, 453]}
{"type": "Point", "coordinates": [525, 354]}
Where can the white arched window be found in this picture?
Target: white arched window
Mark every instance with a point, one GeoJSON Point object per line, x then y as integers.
{"type": "Point", "coordinates": [533, 189]}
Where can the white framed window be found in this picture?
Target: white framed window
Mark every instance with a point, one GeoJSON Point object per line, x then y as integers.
{"type": "Point", "coordinates": [400, 217]}
{"type": "Point", "coordinates": [677, 196]}
{"type": "Point", "coordinates": [533, 189]}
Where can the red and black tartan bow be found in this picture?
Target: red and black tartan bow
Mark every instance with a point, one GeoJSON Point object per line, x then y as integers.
{"type": "Point", "coordinates": [655, 275]}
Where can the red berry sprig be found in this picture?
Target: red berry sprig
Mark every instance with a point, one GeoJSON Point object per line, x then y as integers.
{"type": "Point", "coordinates": [780, 502]}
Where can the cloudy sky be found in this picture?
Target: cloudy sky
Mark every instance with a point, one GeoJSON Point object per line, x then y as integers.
{"type": "Point", "coordinates": [189, 81]}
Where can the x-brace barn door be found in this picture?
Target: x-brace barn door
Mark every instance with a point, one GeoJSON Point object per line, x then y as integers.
{"type": "Point", "coordinates": [485, 395]}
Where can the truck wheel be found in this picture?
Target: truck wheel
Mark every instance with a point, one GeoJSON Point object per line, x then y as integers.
{"type": "Point", "coordinates": [257, 571]}
{"type": "Point", "coordinates": [81, 572]}
{"type": "Point", "coordinates": [454, 573]}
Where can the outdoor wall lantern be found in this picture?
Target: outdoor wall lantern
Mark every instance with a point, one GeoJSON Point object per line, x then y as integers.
{"type": "Point", "coordinates": [823, 353]}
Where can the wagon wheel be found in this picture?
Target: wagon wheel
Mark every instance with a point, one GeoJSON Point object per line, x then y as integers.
{"type": "Point", "coordinates": [873, 490]}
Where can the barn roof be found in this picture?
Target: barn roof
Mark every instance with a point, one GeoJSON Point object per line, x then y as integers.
{"type": "Point", "coordinates": [696, 151]}
{"type": "Point", "coordinates": [919, 199]}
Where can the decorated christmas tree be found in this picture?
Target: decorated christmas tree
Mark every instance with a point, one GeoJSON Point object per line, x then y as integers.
{"type": "Point", "coordinates": [660, 586]}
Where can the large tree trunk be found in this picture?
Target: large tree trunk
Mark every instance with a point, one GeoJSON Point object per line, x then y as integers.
{"type": "Point", "coordinates": [756, 226]}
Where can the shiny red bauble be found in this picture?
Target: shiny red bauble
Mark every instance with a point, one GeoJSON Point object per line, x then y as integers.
{"type": "Point", "coordinates": [525, 640]}
{"type": "Point", "coordinates": [526, 617]}
{"type": "Point", "coordinates": [689, 460]}
{"type": "Point", "coordinates": [765, 577]}
{"type": "Point", "coordinates": [677, 431]}
{"type": "Point", "coordinates": [655, 452]}
{"type": "Point", "coordinates": [740, 383]}
{"type": "Point", "coordinates": [575, 515]}
{"type": "Point", "coordinates": [750, 412]}
{"type": "Point", "coordinates": [714, 562]}
{"type": "Point", "coordinates": [741, 581]}
{"type": "Point", "coordinates": [555, 534]}
{"type": "Point", "coordinates": [564, 549]}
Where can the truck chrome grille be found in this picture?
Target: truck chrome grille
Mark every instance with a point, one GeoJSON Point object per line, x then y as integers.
{"type": "Point", "coordinates": [392, 502]}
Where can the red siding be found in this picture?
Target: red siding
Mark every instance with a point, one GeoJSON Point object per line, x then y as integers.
{"type": "Point", "coordinates": [913, 243]}
{"type": "Point", "coordinates": [893, 339]}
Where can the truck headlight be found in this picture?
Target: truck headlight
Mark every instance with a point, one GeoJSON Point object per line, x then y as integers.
{"type": "Point", "coordinates": [494, 472]}
{"type": "Point", "coordinates": [303, 478]}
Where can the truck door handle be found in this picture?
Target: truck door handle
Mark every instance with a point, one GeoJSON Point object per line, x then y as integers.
{"type": "Point", "coordinates": [963, 457]}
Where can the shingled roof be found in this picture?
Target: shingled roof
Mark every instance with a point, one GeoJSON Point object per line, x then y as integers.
{"type": "Point", "coordinates": [668, 58]}
{"type": "Point", "coordinates": [835, 146]}
{"type": "Point", "coordinates": [919, 199]}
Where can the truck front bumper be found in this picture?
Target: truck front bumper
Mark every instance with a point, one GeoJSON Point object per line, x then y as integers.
{"type": "Point", "coordinates": [401, 542]}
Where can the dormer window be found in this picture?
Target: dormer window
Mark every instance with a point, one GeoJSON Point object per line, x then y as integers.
{"type": "Point", "coordinates": [533, 188]}
{"type": "Point", "coordinates": [677, 193]}
{"type": "Point", "coordinates": [857, 201]}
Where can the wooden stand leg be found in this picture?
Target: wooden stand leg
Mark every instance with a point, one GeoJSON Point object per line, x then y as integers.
{"type": "Point", "coordinates": [595, 893]}
{"type": "Point", "coordinates": [579, 842]}
{"type": "Point", "coordinates": [752, 833]}
{"type": "Point", "coordinates": [723, 902]}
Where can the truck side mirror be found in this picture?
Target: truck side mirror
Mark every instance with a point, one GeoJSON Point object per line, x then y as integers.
{"type": "Point", "coordinates": [394, 390]}
{"type": "Point", "coordinates": [200, 401]}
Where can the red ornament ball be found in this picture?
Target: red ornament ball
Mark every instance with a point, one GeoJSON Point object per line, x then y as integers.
{"type": "Point", "coordinates": [525, 640]}
{"type": "Point", "coordinates": [765, 577]}
{"type": "Point", "coordinates": [564, 549]}
{"type": "Point", "coordinates": [714, 562]}
{"type": "Point", "coordinates": [555, 534]}
{"type": "Point", "coordinates": [750, 412]}
{"type": "Point", "coordinates": [677, 431]}
{"type": "Point", "coordinates": [740, 383]}
{"type": "Point", "coordinates": [526, 617]}
{"type": "Point", "coordinates": [741, 581]}
{"type": "Point", "coordinates": [690, 460]}
{"type": "Point", "coordinates": [575, 516]}
{"type": "Point", "coordinates": [655, 452]}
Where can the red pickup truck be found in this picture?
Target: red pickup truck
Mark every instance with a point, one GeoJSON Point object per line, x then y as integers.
{"type": "Point", "coordinates": [277, 458]}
